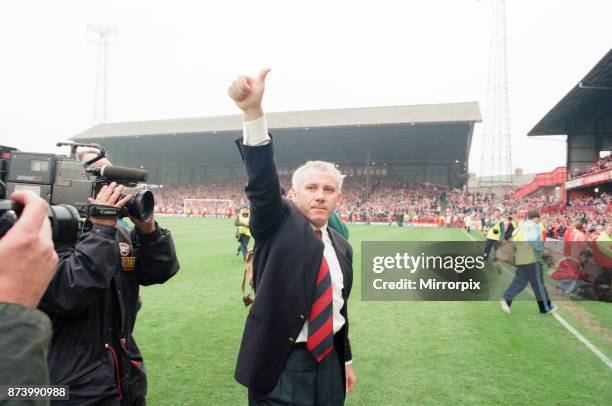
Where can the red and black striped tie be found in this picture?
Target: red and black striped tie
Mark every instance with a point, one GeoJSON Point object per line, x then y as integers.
{"type": "Point", "coordinates": [320, 322]}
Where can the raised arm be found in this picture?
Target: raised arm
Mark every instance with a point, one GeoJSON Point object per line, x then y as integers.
{"type": "Point", "coordinates": [263, 186]}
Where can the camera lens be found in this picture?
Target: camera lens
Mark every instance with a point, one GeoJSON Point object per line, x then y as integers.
{"type": "Point", "coordinates": [65, 221]}
{"type": "Point", "coordinates": [141, 206]}
{"type": "Point", "coordinates": [64, 224]}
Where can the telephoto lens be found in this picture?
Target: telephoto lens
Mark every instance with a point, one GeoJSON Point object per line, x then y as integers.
{"type": "Point", "coordinates": [64, 224]}
{"type": "Point", "coordinates": [65, 221]}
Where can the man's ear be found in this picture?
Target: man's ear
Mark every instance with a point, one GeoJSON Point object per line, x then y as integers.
{"type": "Point", "coordinates": [292, 195]}
{"type": "Point", "coordinates": [340, 199]}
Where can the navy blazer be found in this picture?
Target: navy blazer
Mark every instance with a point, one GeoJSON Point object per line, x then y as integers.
{"type": "Point", "coordinates": [287, 258]}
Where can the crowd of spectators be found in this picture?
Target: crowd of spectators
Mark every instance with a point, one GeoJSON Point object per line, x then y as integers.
{"type": "Point", "coordinates": [214, 199]}
{"type": "Point", "coordinates": [600, 165]}
{"type": "Point", "coordinates": [398, 201]}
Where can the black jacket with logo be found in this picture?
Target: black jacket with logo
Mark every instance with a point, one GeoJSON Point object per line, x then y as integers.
{"type": "Point", "coordinates": [92, 301]}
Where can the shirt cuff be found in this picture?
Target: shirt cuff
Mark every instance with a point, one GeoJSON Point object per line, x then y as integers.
{"type": "Point", "coordinates": [255, 132]}
{"type": "Point", "coordinates": [348, 362]}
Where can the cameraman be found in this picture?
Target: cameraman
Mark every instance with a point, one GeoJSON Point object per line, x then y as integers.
{"type": "Point", "coordinates": [28, 262]}
{"type": "Point", "coordinates": [93, 299]}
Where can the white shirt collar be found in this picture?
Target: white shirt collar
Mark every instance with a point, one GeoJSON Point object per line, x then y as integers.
{"type": "Point", "coordinates": [323, 228]}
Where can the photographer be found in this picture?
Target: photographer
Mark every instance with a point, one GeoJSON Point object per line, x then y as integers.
{"type": "Point", "coordinates": [28, 262]}
{"type": "Point", "coordinates": [93, 300]}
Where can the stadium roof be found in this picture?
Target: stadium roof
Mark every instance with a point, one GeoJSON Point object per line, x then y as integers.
{"type": "Point", "coordinates": [429, 141]}
{"type": "Point", "coordinates": [589, 98]}
{"type": "Point", "coordinates": [364, 116]}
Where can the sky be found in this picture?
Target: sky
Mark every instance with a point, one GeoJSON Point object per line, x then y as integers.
{"type": "Point", "coordinates": [176, 59]}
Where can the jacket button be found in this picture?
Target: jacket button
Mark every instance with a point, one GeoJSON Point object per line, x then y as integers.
{"type": "Point", "coordinates": [301, 316]}
{"type": "Point", "coordinates": [291, 340]}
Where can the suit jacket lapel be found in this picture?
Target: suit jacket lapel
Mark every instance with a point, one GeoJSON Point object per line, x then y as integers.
{"type": "Point", "coordinates": [311, 269]}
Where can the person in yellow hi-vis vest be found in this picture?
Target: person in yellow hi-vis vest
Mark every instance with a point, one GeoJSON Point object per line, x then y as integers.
{"type": "Point", "coordinates": [602, 248]}
{"type": "Point", "coordinates": [494, 235]}
{"type": "Point", "coordinates": [243, 233]}
{"type": "Point", "coordinates": [528, 251]}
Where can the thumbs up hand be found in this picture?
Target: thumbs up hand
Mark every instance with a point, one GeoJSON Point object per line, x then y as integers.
{"type": "Point", "coordinates": [247, 92]}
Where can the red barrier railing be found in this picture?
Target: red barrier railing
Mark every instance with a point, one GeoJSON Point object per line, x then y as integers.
{"type": "Point", "coordinates": [554, 178]}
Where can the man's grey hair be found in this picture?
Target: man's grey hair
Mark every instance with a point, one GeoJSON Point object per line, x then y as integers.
{"type": "Point", "coordinates": [326, 167]}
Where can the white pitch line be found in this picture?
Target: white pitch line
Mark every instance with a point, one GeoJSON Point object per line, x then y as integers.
{"type": "Point", "coordinates": [468, 234]}
{"type": "Point", "coordinates": [584, 341]}
{"type": "Point", "coordinates": [568, 326]}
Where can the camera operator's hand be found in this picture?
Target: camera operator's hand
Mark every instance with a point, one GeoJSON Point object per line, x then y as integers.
{"type": "Point", "coordinates": [145, 227]}
{"type": "Point", "coordinates": [109, 196]}
{"type": "Point", "coordinates": [28, 258]}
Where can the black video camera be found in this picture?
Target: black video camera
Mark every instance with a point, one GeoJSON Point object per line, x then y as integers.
{"type": "Point", "coordinates": [67, 184]}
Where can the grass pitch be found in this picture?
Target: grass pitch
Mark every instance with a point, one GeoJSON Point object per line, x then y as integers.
{"type": "Point", "coordinates": [405, 353]}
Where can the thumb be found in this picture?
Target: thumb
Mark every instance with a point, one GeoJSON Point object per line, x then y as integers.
{"type": "Point", "coordinates": [262, 74]}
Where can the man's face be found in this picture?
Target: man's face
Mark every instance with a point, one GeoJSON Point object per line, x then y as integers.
{"type": "Point", "coordinates": [496, 214]}
{"type": "Point", "coordinates": [317, 196]}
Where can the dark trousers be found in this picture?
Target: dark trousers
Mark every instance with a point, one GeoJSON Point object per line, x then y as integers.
{"type": "Point", "coordinates": [531, 273]}
{"type": "Point", "coordinates": [244, 245]}
{"type": "Point", "coordinates": [303, 382]}
{"type": "Point", "coordinates": [490, 244]}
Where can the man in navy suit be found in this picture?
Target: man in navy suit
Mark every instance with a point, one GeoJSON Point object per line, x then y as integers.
{"type": "Point", "coordinates": [295, 347]}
